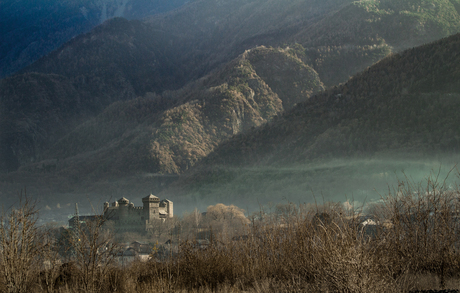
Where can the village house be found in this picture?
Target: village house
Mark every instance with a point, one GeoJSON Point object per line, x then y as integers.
{"type": "Point", "coordinates": [134, 251]}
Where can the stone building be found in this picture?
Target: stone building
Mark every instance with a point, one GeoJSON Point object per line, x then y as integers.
{"type": "Point", "coordinates": [128, 218]}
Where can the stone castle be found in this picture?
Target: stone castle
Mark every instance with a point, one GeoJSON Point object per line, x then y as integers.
{"type": "Point", "coordinates": [128, 218]}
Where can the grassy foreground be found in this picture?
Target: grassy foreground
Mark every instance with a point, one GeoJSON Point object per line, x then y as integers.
{"type": "Point", "coordinates": [408, 241]}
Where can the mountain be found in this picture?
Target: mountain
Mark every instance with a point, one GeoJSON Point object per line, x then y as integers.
{"type": "Point", "coordinates": [117, 60]}
{"type": "Point", "coordinates": [32, 29]}
{"type": "Point", "coordinates": [400, 113]}
{"type": "Point", "coordinates": [122, 60]}
{"type": "Point", "coordinates": [169, 133]}
{"type": "Point", "coordinates": [136, 101]}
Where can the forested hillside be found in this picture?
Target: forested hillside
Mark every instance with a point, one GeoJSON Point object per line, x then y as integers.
{"type": "Point", "coordinates": [123, 60]}
{"type": "Point", "coordinates": [169, 133]}
{"type": "Point", "coordinates": [399, 113]}
{"type": "Point", "coordinates": [406, 101]}
{"type": "Point", "coordinates": [364, 32]}
{"type": "Point", "coordinates": [119, 60]}
{"type": "Point", "coordinates": [339, 37]}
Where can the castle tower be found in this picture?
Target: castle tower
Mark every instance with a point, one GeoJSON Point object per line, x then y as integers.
{"type": "Point", "coordinates": [123, 208]}
{"type": "Point", "coordinates": [168, 207]}
{"type": "Point", "coordinates": [151, 207]}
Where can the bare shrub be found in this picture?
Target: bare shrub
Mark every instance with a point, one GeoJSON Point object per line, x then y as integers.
{"type": "Point", "coordinates": [50, 257]}
{"type": "Point", "coordinates": [422, 233]}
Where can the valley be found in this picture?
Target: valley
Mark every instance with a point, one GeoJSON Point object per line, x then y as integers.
{"type": "Point", "coordinates": [216, 101]}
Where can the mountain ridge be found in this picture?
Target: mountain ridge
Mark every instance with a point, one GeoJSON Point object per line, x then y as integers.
{"type": "Point", "coordinates": [32, 29]}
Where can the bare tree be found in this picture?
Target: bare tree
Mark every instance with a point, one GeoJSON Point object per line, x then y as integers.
{"type": "Point", "coordinates": [162, 228]}
{"type": "Point", "coordinates": [20, 246]}
{"type": "Point", "coordinates": [93, 250]}
{"type": "Point", "coordinates": [226, 220]}
{"type": "Point", "coordinates": [50, 256]}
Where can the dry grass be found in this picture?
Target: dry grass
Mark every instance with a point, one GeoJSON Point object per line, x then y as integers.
{"type": "Point", "coordinates": [414, 247]}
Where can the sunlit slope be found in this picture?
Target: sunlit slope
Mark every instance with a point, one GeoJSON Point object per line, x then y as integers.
{"type": "Point", "coordinates": [169, 133]}
{"type": "Point", "coordinates": [407, 101]}
{"type": "Point", "coordinates": [399, 114]}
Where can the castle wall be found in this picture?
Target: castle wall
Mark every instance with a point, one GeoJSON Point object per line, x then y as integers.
{"type": "Point", "coordinates": [128, 218]}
